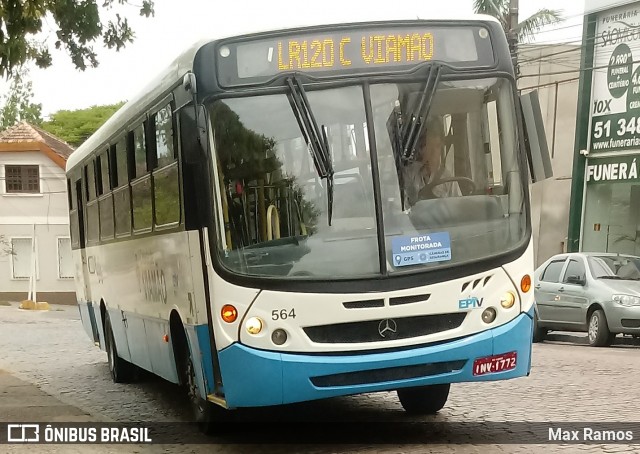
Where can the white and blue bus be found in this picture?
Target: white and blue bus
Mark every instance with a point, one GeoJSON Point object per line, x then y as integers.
{"type": "Point", "coordinates": [242, 226]}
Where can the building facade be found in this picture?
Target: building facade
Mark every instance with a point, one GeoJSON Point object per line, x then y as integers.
{"type": "Point", "coordinates": [605, 199]}
{"type": "Point", "coordinates": [34, 222]}
{"type": "Point", "coordinates": [553, 71]}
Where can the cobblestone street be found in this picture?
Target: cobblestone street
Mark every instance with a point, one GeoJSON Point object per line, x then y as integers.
{"type": "Point", "coordinates": [569, 382]}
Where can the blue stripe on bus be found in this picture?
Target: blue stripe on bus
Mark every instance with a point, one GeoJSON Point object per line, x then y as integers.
{"type": "Point", "coordinates": [259, 378]}
{"type": "Point", "coordinates": [201, 356]}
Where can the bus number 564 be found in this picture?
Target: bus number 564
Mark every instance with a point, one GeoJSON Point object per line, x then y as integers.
{"type": "Point", "coordinates": [282, 314]}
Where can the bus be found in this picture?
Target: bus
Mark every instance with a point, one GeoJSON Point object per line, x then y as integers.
{"type": "Point", "coordinates": [242, 226]}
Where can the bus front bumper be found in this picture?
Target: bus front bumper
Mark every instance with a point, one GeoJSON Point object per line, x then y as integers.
{"type": "Point", "coordinates": [255, 378]}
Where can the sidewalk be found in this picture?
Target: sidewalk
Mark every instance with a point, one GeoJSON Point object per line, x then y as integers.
{"type": "Point", "coordinates": [23, 402]}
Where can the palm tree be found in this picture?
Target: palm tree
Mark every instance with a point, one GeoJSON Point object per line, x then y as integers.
{"type": "Point", "coordinates": [526, 29]}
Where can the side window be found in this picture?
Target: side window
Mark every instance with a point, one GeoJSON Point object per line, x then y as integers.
{"type": "Point", "coordinates": [552, 272]}
{"type": "Point", "coordinates": [139, 151]}
{"type": "Point", "coordinates": [106, 200]}
{"type": "Point", "coordinates": [90, 181]}
{"type": "Point", "coordinates": [93, 226]}
{"type": "Point", "coordinates": [141, 187]}
{"type": "Point", "coordinates": [122, 172]}
{"type": "Point", "coordinates": [121, 195]}
{"type": "Point", "coordinates": [574, 268]}
{"type": "Point", "coordinates": [74, 227]}
{"type": "Point", "coordinates": [165, 177]}
{"type": "Point", "coordinates": [104, 180]}
{"type": "Point", "coordinates": [164, 137]}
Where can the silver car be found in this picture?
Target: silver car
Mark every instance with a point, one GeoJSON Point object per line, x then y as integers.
{"type": "Point", "coordinates": [594, 292]}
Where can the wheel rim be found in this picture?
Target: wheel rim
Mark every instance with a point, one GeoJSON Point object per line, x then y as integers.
{"type": "Point", "coordinates": [593, 328]}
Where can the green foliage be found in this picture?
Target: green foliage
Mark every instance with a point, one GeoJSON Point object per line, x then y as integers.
{"type": "Point", "coordinates": [78, 24]}
{"type": "Point", "coordinates": [17, 104]}
{"type": "Point", "coordinates": [75, 126]}
{"type": "Point", "coordinates": [244, 154]}
{"type": "Point", "coordinates": [526, 29]}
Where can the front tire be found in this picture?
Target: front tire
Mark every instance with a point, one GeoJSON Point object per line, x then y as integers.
{"type": "Point", "coordinates": [424, 400]}
{"type": "Point", "coordinates": [539, 334]}
{"type": "Point", "coordinates": [205, 414]}
{"type": "Point", "coordinates": [598, 330]}
{"type": "Point", "coordinates": [121, 371]}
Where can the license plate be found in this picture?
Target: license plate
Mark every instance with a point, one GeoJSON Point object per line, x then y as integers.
{"type": "Point", "coordinates": [493, 364]}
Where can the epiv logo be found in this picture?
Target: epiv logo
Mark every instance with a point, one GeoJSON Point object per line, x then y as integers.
{"type": "Point", "coordinates": [470, 303]}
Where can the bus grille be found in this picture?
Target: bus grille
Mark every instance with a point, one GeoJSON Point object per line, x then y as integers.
{"type": "Point", "coordinates": [385, 329]}
{"type": "Point", "coordinates": [385, 375]}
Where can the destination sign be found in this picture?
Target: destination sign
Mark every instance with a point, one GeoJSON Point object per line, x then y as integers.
{"type": "Point", "coordinates": [354, 51]}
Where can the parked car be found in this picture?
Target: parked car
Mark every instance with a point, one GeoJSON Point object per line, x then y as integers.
{"type": "Point", "coordinates": [594, 292]}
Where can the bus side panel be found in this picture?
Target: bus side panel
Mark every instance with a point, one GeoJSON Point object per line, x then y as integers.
{"type": "Point", "coordinates": [119, 333]}
{"type": "Point", "coordinates": [86, 319]}
{"type": "Point", "coordinates": [161, 355]}
{"type": "Point", "coordinates": [137, 338]}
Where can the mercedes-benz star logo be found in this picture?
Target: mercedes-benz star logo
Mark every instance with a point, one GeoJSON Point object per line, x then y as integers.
{"type": "Point", "coordinates": [387, 327]}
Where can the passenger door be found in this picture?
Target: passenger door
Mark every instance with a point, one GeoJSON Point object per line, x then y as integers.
{"type": "Point", "coordinates": [547, 289]}
{"type": "Point", "coordinates": [572, 300]}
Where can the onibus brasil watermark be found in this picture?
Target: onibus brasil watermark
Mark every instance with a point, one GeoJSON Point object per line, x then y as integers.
{"type": "Point", "coordinates": [84, 433]}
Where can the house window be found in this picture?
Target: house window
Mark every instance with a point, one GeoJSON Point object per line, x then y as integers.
{"type": "Point", "coordinates": [21, 258]}
{"type": "Point", "coordinates": [22, 179]}
{"type": "Point", "coordinates": [65, 259]}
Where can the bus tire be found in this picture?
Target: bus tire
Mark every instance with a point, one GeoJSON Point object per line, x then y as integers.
{"type": "Point", "coordinates": [424, 400]}
{"type": "Point", "coordinates": [204, 413]}
{"type": "Point", "coordinates": [121, 371]}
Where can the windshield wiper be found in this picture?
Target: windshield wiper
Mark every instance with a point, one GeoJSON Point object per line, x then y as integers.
{"type": "Point", "coordinates": [404, 134]}
{"type": "Point", "coordinates": [419, 117]}
{"type": "Point", "coordinates": [610, 277]}
{"type": "Point", "coordinates": [316, 138]}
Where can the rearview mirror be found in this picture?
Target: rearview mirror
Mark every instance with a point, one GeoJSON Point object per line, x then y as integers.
{"type": "Point", "coordinates": [578, 280]}
{"type": "Point", "coordinates": [535, 137]}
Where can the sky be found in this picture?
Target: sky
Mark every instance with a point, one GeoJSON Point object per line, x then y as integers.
{"type": "Point", "coordinates": [178, 24]}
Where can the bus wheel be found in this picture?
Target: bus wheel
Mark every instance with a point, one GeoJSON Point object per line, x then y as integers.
{"type": "Point", "coordinates": [121, 370]}
{"type": "Point", "coordinates": [424, 400]}
{"type": "Point", "coordinates": [205, 413]}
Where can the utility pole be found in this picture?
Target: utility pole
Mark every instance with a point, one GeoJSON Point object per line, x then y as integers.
{"type": "Point", "coordinates": [513, 35]}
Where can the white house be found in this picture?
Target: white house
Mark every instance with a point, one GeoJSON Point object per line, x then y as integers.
{"type": "Point", "coordinates": [33, 204]}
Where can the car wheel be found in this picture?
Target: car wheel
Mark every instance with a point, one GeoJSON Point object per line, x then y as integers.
{"type": "Point", "coordinates": [598, 331]}
{"type": "Point", "coordinates": [539, 334]}
{"type": "Point", "coordinates": [424, 400]}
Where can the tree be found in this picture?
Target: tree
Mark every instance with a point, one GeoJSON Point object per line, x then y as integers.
{"type": "Point", "coordinates": [17, 104]}
{"type": "Point", "coordinates": [524, 30]}
{"type": "Point", "coordinates": [78, 25]}
{"type": "Point", "coordinates": [75, 126]}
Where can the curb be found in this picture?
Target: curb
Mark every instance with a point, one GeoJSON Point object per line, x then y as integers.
{"type": "Point", "coordinates": [34, 306]}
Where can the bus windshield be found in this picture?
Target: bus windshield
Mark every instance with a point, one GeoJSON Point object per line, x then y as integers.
{"type": "Point", "coordinates": [456, 198]}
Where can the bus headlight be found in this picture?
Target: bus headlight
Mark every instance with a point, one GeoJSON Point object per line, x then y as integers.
{"type": "Point", "coordinates": [253, 325]}
{"type": "Point", "coordinates": [508, 300]}
{"type": "Point", "coordinates": [489, 315]}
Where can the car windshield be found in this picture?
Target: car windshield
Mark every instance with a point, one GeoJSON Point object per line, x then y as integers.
{"type": "Point", "coordinates": [274, 208]}
{"type": "Point", "coordinates": [615, 267]}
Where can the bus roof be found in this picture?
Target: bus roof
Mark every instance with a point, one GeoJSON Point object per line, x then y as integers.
{"type": "Point", "coordinates": [183, 64]}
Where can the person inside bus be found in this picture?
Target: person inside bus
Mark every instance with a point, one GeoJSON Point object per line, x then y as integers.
{"type": "Point", "coordinates": [428, 168]}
